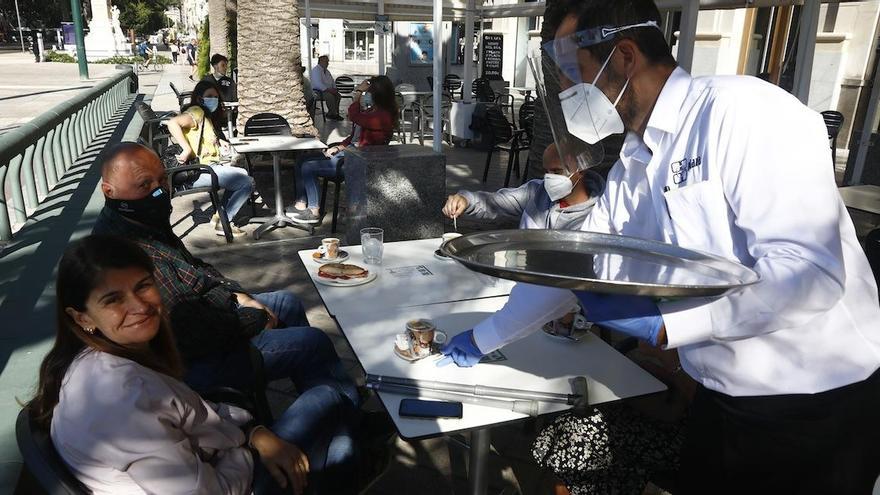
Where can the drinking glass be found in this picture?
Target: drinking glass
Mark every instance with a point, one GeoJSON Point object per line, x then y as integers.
{"type": "Point", "coordinates": [371, 245]}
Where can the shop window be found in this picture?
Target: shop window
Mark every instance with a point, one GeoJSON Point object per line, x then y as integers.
{"type": "Point", "coordinates": [359, 45]}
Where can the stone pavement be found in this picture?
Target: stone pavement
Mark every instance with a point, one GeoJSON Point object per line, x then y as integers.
{"type": "Point", "coordinates": [28, 88]}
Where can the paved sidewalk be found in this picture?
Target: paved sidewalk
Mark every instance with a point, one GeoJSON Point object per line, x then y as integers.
{"type": "Point", "coordinates": [27, 88]}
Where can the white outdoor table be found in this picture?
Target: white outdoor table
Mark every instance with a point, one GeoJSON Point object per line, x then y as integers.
{"type": "Point", "coordinates": [460, 116]}
{"type": "Point", "coordinates": [538, 362]}
{"type": "Point", "coordinates": [863, 198]}
{"type": "Point", "coordinates": [401, 283]}
{"type": "Point", "coordinates": [276, 145]}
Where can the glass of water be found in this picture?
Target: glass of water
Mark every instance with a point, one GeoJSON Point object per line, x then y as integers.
{"type": "Point", "coordinates": [371, 244]}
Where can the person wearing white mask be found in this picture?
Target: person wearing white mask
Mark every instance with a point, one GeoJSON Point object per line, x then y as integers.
{"type": "Point", "coordinates": [561, 200]}
{"type": "Point", "coordinates": [789, 388]}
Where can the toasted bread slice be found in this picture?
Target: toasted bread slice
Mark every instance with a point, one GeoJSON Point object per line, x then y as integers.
{"type": "Point", "coordinates": [342, 271]}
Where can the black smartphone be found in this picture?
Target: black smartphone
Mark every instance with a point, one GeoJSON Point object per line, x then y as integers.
{"type": "Point", "coordinates": [426, 409]}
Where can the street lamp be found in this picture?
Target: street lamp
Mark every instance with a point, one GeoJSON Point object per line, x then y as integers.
{"type": "Point", "coordinates": [20, 32]}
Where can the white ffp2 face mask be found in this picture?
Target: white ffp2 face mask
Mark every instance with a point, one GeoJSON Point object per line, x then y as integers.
{"type": "Point", "coordinates": [589, 114]}
{"type": "Point", "coordinates": [557, 186]}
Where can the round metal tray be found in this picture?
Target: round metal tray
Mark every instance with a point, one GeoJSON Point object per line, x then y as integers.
{"type": "Point", "coordinates": [605, 263]}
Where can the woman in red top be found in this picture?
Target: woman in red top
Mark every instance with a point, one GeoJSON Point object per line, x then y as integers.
{"type": "Point", "coordinates": [373, 113]}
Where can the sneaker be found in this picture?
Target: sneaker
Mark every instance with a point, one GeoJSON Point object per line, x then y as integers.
{"type": "Point", "coordinates": [304, 216]}
{"type": "Point", "coordinates": [236, 231]}
{"type": "Point", "coordinates": [292, 210]}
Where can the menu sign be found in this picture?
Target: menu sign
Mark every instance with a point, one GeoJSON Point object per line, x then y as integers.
{"type": "Point", "coordinates": [493, 54]}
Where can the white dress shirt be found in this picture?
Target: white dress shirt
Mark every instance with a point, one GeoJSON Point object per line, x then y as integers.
{"type": "Point", "coordinates": [123, 428]}
{"type": "Point", "coordinates": [737, 167]}
{"type": "Point", "coordinates": [321, 78]}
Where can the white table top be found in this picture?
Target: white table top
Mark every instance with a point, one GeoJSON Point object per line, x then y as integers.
{"type": "Point", "coordinates": [230, 103]}
{"type": "Point", "coordinates": [864, 198]}
{"type": "Point", "coordinates": [266, 144]}
{"type": "Point", "coordinates": [401, 283]}
{"type": "Point", "coordinates": [538, 362]}
{"type": "Point", "coordinates": [416, 93]}
{"type": "Point", "coordinates": [521, 88]}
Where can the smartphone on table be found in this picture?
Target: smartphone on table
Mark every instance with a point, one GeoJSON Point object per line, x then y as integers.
{"type": "Point", "coordinates": [429, 409]}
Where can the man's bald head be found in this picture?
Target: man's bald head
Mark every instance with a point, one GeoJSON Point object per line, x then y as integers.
{"type": "Point", "coordinates": [131, 171]}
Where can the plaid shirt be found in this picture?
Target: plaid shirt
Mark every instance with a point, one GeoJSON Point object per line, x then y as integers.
{"type": "Point", "coordinates": [204, 313]}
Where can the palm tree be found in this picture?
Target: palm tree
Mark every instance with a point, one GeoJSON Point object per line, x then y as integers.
{"type": "Point", "coordinates": [268, 62]}
{"type": "Point", "coordinates": [217, 31]}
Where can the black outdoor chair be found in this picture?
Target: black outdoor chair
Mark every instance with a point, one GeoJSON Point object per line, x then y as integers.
{"type": "Point", "coordinates": [505, 138]}
{"type": "Point", "coordinates": [42, 460]}
{"type": "Point", "coordinates": [318, 102]}
{"type": "Point", "coordinates": [263, 124]}
{"type": "Point", "coordinates": [409, 104]}
{"type": "Point", "coordinates": [833, 123]}
{"type": "Point", "coordinates": [345, 85]}
{"type": "Point", "coordinates": [180, 188]}
{"type": "Point", "coordinates": [182, 96]}
{"type": "Point", "coordinates": [453, 83]}
{"type": "Point", "coordinates": [527, 125]}
{"type": "Point", "coordinates": [154, 137]}
{"type": "Point", "coordinates": [484, 92]}
{"type": "Point", "coordinates": [337, 181]}
{"type": "Point", "coordinates": [428, 112]}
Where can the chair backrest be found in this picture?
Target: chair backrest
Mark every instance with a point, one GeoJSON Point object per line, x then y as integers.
{"type": "Point", "coordinates": [833, 122]}
{"type": "Point", "coordinates": [345, 85]}
{"type": "Point", "coordinates": [146, 111]}
{"type": "Point", "coordinates": [527, 117]}
{"type": "Point", "coordinates": [452, 82]}
{"type": "Point", "coordinates": [483, 90]}
{"type": "Point", "coordinates": [407, 99]}
{"type": "Point", "coordinates": [502, 129]}
{"type": "Point", "coordinates": [267, 124]}
{"type": "Point", "coordinates": [174, 88]}
{"type": "Point", "coordinates": [42, 460]}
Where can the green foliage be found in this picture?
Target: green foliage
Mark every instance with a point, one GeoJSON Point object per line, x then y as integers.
{"type": "Point", "coordinates": [144, 17]}
{"type": "Point", "coordinates": [119, 59]}
{"type": "Point", "coordinates": [36, 13]}
{"type": "Point", "coordinates": [59, 57]}
{"type": "Point", "coordinates": [203, 62]}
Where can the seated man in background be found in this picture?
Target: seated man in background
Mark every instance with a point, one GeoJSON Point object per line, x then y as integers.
{"type": "Point", "coordinates": [558, 201]}
{"type": "Point", "coordinates": [323, 82]}
{"type": "Point", "coordinates": [213, 318]}
{"type": "Point", "coordinates": [219, 68]}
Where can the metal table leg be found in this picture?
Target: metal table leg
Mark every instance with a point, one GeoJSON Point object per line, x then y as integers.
{"type": "Point", "coordinates": [280, 219]}
{"type": "Point", "coordinates": [478, 476]}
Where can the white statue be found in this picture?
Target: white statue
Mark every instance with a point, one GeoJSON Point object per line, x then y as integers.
{"type": "Point", "coordinates": [105, 38]}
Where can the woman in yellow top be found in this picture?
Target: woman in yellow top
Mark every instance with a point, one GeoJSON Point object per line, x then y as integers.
{"type": "Point", "coordinates": [205, 109]}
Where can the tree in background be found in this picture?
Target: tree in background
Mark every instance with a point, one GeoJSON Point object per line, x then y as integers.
{"type": "Point", "coordinates": [203, 56]}
{"type": "Point", "coordinates": [217, 19]}
{"type": "Point", "coordinates": [37, 13]}
{"type": "Point", "coordinates": [143, 17]}
{"type": "Point", "coordinates": [268, 62]}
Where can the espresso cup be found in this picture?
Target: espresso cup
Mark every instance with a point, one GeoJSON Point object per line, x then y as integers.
{"type": "Point", "coordinates": [448, 237]}
{"type": "Point", "coordinates": [330, 247]}
{"type": "Point", "coordinates": [422, 333]}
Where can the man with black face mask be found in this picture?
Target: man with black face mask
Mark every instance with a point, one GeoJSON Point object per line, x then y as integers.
{"type": "Point", "coordinates": [214, 318]}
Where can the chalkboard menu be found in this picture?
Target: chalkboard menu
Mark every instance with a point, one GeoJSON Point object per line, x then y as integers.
{"type": "Point", "coordinates": [493, 55]}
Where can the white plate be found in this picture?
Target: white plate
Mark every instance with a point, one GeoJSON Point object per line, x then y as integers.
{"type": "Point", "coordinates": [343, 256]}
{"type": "Point", "coordinates": [334, 282]}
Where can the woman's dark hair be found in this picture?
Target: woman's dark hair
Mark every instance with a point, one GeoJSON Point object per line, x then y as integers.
{"type": "Point", "coordinates": [217, 116]}
{"type": "Point", "coordinates": [650, 40]}
{"type": "Point", "coordinates": [81, 269]}
{"type": "Point", "coordinates": [382, 90]}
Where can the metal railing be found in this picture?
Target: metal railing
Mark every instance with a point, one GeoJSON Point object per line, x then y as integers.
{"type": "Point", "coordinates": [35, 156]}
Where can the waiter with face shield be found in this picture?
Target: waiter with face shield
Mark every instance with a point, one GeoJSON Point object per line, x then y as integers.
{"type": "Point", "coordinates": [789, 394]}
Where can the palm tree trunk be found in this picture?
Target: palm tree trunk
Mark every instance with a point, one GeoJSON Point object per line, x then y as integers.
{"type": "Point", "coordinates": [268, 61]}
{"type": "Point", "coordinates": [217, 31]}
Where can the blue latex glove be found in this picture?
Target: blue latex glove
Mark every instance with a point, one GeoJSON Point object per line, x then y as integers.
{"type": "Point", "coordinates": [636, 316]}
{"type": "Point", "coordinates": [461, 350]}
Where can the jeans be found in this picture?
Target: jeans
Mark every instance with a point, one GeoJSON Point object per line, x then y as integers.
{"type": "Point", "coordinates": [238, 185]}
{"type": "Point", "coordinates": [307, 174]}
{"type": "Point", "coordinates": [321, 421]}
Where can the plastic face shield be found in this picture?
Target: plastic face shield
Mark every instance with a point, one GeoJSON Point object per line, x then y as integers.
{"type": "Point", "coordinates": [575, 155]}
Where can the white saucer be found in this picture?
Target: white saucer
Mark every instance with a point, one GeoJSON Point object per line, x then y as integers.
{"type": "Point", "coordinates": [441, 257]}
{"type": "Point", "coordinates": [343, 256]}
{"type": "Point", "coordinates": [353, 282]}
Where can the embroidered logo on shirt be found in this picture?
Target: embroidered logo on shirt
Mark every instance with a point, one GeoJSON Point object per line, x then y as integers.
{"type": "Point", "coordinates": [681, 169]}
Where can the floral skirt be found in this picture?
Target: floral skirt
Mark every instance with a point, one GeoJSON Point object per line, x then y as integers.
{"type": "Point", "coordinates": [613, 450]}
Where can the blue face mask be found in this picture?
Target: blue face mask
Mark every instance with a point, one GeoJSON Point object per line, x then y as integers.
{"type": "Point", "coordinates": [211, 103]}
